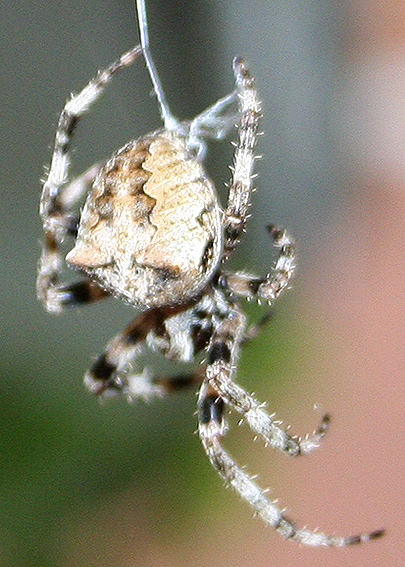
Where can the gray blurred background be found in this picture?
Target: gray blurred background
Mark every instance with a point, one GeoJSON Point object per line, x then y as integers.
{"type": "Point", "coordinates": [123, 485]}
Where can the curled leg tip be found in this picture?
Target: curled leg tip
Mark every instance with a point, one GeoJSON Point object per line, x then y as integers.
{"type": "Point", "coordinates": [377, 534]}
{"type": "Point", "coordinates": [324, 425]}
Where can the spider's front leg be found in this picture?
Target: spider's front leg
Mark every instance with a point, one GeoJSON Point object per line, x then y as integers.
{"type": "Point", "coordinates": [59, 196]}
{"type": "Point", "coordinates": [212, 429]}
{"type": "Point", "coordinates": [221, 363]}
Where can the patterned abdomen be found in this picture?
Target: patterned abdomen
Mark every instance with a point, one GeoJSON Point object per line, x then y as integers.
{"type": "Point", "coordinates": [150, 229]}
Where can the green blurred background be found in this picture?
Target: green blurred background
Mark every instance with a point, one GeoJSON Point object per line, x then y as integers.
{"type": "Point", "coordinates": [118, 484]}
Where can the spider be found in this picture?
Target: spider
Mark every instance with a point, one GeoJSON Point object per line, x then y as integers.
{"type": "Point", "coordinates": [152, 232]}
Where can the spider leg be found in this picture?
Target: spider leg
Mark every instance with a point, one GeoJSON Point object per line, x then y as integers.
{"type": "Point", "coordinates": [106, 376]}
{"type": "Point", "coordinates": [270, 287]}
{"type": "Point", "coordinates": [222, 358]}
{"type": "Point", "coordinates": [61, 223]}
{"type": "Point", "coordinates": [58, 196]}
{"type": "Point", "coordinates": [68, 197]}
{"type": "Point", "coordinates": [211, 430]}
{"type": "Point", "coordinates": [180, 382]}
{"type": "Point", "coordinates": [111, 373]}
{"type": "Point", "coordinates": [240, 188]}
{"type": "Point", "coordinates": [75, 107]}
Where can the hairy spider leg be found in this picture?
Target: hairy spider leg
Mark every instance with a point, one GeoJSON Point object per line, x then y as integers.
{"type": "Point", "coordinates": [221, 363]}
{"type": "Point", "coordinates": [270, 287]}
{"type": "Point", "coordinates": [217, 390]}
{"type": "Point", "coordinates": [58, 196]}
{"type": "Point", "coordinates": [240, 187]}
{"type": "Point", "coordinates": [112, 373]}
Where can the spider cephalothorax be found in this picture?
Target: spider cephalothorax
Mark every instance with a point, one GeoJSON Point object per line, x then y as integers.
{"type": "Point", "coordinates": [152, 232]}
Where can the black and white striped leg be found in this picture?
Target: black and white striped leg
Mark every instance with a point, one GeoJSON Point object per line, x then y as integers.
{"type": "Point", "coordinates": [60, 223]}
{"type": "Point", "coordinates": [270, 287]}
{"type": "Point", "coordinates": [212, 429]}
{"type": "Point", "coordinates": [241, 183]}
{"type": "Point", "coordinates": [108, 374]}
{"type": "Point", "coordinates": [58, 195]}
{"type": "Point", "coordinates": [111, 373]}
{"type": "Point", "coordinates": [221, 363]}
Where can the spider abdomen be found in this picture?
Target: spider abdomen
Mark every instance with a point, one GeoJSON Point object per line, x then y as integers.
{"type": "Point", "coordinates": [150, 230]}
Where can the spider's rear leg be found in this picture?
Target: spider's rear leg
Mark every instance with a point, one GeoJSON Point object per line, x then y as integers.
{"type": "Point", "coordinates": [212, 429]}
{"type": "Point", "coordinates": [73, 110]}
{"type": "Point", "coordinates": [221, 362]}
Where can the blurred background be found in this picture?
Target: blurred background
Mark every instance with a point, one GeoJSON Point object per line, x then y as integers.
{"type": "Point", "coordinates": [123, 485]}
